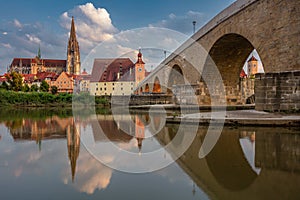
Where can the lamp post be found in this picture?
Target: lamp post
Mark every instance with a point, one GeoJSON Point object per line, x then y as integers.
{"type": "Point", "coordinates": [194, 25]}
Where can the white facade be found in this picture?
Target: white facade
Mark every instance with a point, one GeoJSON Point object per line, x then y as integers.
{"type": "Point", "coordinates": [119, 88]}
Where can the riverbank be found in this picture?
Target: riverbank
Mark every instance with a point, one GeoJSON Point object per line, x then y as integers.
{"type": "Point", "coordinates": [44, 99]}
{"type": "Point", "coordinates": [239, 118]}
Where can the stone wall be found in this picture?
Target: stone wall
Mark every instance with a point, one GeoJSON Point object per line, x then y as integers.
{"type": "Point", "coordinates": [277, 91]}
{"type": "Point", "coordinates": [200, 94]}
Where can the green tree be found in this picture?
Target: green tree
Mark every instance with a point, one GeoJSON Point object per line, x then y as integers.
{"type": "Point", "coordinates": [15, 81]}
{"type": "Point", "coordinates": [26, 88]}
{"type": "Point", "coordinates": [4, 85]}
{"type": "Point", "coordinates": [44, 86]}
{"type": "Point", "coordinates": [34, 88]}
{"type": "Point", "coordinates": [54, 89]}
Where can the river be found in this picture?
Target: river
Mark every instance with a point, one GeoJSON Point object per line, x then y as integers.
{"type": "Point", "coordinates": [50, 154]}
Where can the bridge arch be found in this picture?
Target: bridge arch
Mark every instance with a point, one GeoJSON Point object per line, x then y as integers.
{"type": "Point", "coordinates": [147, 88]}
{"type": "Point", "coordinates": [175, 78]}
{"type": "Point", "coordinates": [229, 54]}
{"type": "Point", "coordinates": [156, 86]}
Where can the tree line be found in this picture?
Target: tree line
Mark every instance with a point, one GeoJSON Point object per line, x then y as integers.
{"type": "Point", "coordinates": [14, 92]}
{"type": "Point", "coordinates": [14, 82]}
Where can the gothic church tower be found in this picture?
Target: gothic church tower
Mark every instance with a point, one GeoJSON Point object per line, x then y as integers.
{"type": "Point", "coordinates": [73, 54]}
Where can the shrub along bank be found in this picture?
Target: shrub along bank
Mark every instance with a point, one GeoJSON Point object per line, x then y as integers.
{"type": "Point", "coordinates": [32, 99]}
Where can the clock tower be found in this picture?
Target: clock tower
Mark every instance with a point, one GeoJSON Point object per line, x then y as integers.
{"type": "Point", "coordinates": [139, 69]}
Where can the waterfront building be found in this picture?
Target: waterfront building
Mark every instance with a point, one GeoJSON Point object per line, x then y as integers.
{"type": "Point", "coordinates": [117, 76]}
{"type": "Point", "coordinates": [64, 83]}
{"type": "Point", "coordinates": [82, 82]}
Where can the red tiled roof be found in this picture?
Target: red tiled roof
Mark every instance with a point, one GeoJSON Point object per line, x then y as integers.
{"type": "Point", "coordinates": [106, 70]}
{"type": "Point", "coordinates": [25, 61]}
{"type": "Point", "coordinates": [46, 62]}
{"type": "Point", "coordinates": [243, 74]}
{"type": "Point", "coordinates": [28, 78]}
{"type": "Point", "coordinates": [43, 75]}
{"type": "Point", "coordinates": [2, 79]}
{"type": "Point", "coordinates": [252, 59]}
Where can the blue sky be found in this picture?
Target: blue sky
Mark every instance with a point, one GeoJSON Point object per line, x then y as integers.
{"type": "Point", "coordinates": [24, 25]}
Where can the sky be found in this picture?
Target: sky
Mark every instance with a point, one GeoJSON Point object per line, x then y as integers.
{"type": "Point", "coordinates": [27, 25]}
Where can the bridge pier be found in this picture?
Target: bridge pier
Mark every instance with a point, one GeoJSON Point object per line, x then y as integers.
{"type": "Point", "coordinates": [278, 91]}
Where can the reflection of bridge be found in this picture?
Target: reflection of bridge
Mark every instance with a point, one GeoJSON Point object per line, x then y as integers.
{"type": "Point", "coordinates": [226, 173]}
{"type": "Point", "coordinates": [270, 27]}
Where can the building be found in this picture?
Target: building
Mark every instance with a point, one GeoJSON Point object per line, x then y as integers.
{"type": "Point", "coordinates": [252, 66]}
{"type": "Point", "coordinates": [140, 72]}
{"type": "Point", "coordinates": [83, 82]}
{"type": "Point", "coordinates": [73, 53]}
{"type": "Point", "coordinates": [38, 64]}
{"type": "Point", "coordinates": [64, 82]}
{"type": "Point", "coordinates": [116, 76]}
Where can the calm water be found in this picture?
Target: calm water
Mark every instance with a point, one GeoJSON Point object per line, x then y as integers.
{"type": "Point", "coordinates": [46, 154]}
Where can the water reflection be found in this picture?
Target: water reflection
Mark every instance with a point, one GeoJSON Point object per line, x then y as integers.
{"type": "Point", "coordinates": [245, 163]}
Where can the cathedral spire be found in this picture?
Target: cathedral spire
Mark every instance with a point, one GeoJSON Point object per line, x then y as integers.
{"type": "Point", "coordinates": [72, 31]}
{"type": "Point", "coordinates": [73, 54]}
{"type": "Point", "coordinates": [39, 53]}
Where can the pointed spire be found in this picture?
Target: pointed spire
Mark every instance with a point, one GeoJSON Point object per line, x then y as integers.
{"type": "Point", "coordinates": [73, 54]}
{"type": "Point", "coordinates": [72, 32]}
{"type": "Point", "coordinates": [140, 60]}
{"type": "Point", "coordinates": [39, 53]}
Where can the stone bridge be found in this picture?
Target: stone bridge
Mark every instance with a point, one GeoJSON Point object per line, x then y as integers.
{"type": "Point", "coordinates": [272, 27]}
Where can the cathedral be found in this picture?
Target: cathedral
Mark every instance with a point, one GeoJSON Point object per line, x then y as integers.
{"type": "Point", "coordinates": [38, 64]}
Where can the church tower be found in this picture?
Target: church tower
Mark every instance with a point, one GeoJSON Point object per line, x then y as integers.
{"type": "Point", "coordinates": [73, 54]}
{"type": "Point", "coordinates": [139, 69]}
{"type": "Point", "coordinates": [252, 66]}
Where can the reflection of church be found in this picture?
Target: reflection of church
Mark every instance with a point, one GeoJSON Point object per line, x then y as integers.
{"type": "Point", "coordinates": [46, 129]}
{"type": "Point", "coordinates": [73, 143]}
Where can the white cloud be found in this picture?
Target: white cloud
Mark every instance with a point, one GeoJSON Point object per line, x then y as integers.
{"type": "Point", "coordinates": [33, 38]}
{"type": "Point", "coordinates": [182, 23]}
{"type": "Point", "coordinates": [90, 175]}
{"type": "Point", "coordinates": [93, 25]}
{"type": "Point", "coordinates": [4, 33]}
{"type": "Point", "coordinates": [17, 23]}
{"type": "Point", "coordinates": [6, 45]}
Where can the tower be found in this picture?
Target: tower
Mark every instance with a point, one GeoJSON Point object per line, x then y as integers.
{"type": "Point", "coordinates": [73, 54]}
{"type": "Point", "coordinates": [252, 66]}
{"type": "Point", "coordinates": [139, 69]}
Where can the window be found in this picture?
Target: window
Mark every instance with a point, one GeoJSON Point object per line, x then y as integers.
{"type": "Point", "coordinates": [104, 83]}
{"type": "Point", "coordinates": [105, 89]}
{"type": "Point", "coordinates": [96, 89]}
{"type": "Point", "coordinates": [121, 88]}
{"type": "Point", "coordinates": [113, 88]}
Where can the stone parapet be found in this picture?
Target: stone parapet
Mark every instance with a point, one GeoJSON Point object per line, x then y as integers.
{"type": "Point", "coordinates": [278, 91]}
